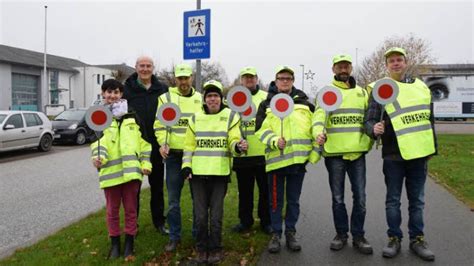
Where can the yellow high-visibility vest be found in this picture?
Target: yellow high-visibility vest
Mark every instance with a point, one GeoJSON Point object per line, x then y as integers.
{"type": "Point", "coordinates": [297, 133]}
{"type": "Point", "coordinates": [188, 107]}
{"type": "Point", "coordinates": [210, 142]}
{"type": "Point", "coordinates": [345, 126]}
{"type": "Point", "coordinates": [410, 117]}
{"type": "Point", "coordinates": [256, 148]}
{"type": "Point", "coordinates": [123, 153]}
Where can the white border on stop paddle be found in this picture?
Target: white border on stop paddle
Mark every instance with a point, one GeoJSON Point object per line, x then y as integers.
{"type": "Point", "coordinates": [324, 106]}
{"type": "Point", "coordinates": [243, 107]}
{"type": "Point", "coordinates": [169, 123]}
{"type": "Point", "coordinates": [252, 114]}
{"type": "Point", "coordinates": [108, 119]}
{"type": "Point", "coordinates": [275, 110]}
{"type": "Point", "coordinates": [380, 83]}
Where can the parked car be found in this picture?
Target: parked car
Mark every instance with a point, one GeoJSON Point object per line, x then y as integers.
{"type": "Point", "coordinates": [25, 129]}
{"type": "Point", "coordinates": [70, 126]}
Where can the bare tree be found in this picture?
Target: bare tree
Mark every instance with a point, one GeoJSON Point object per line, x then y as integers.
{"type": "Point", "coordinates": [209, 70]}
{"type": "Point", "coordinates": [213, 70]}
{"type": "Point", "coordinates": [166, 75]}
{"type": "Point", "coordinates": [373, 67]}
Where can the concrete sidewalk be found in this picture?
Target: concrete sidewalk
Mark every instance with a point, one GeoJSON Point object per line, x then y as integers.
{"type": "Point", "coordinates": [449, 225]}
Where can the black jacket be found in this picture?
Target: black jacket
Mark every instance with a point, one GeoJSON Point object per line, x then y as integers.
{"type": "Point", "coordinates": [144, 102]}
{"type": "Point", "coordinates": [299, 97]}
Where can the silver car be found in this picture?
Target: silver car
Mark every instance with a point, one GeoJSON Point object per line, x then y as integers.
{"type": "Point", "coordinates": [25, 129]}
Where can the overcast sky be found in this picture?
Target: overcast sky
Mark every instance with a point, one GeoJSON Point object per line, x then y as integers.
{"type": "Point", "coordinates": [259, 33]}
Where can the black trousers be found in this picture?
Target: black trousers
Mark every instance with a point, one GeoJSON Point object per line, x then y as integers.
{"type": "Point", "coordinates": [155, 179]}
{"type": "Point", "coordinates": [208, 203]}
{"type": "Point", "coordinates": [246, 178]}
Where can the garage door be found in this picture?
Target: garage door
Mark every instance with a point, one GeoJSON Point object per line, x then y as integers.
{"type": "Point", "coordinates": [25, 90]}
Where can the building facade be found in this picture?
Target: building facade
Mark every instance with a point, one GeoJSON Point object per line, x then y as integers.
{"type": "Point", "coordinates": [70, 82]}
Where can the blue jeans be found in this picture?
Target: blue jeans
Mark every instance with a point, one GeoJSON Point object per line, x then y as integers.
{"type": "Point", "coordinates": [174, 184]}
{"type": "Point", "coordinates": [276, 187]}
{"type": "Point", "coordinates": [337, 168]}
{"type": "Point", "coordinates": [414, 174]}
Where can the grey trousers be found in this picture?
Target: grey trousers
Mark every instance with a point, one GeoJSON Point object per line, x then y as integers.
{"type": "Point", "coordinates": [208, 205]}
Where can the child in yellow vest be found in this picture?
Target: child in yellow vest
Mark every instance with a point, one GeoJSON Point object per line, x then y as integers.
{"type": "Point", "coordinates": [122, 158]}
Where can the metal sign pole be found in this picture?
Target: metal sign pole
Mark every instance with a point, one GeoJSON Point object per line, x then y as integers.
{"type": "Point", "coordinates": [198, 61]}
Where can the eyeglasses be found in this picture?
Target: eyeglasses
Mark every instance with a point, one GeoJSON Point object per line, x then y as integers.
{"type": "Point", "coordinates": [284, 79]}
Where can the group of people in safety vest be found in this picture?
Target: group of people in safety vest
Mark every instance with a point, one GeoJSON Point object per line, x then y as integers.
{"type": "Point", "coordinates": [208, 143]}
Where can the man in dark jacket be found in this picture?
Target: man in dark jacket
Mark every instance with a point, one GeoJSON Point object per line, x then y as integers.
{"type": "Point", "coordinates": [142, 90]}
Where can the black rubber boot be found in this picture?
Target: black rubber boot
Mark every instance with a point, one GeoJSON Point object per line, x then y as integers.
{"type": "Point", "coordinates": [115, 247]}
{"type": "Point", "coordinates": [128, 248]}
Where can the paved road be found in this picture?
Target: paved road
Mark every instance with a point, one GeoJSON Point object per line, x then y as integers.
{"type": "Point", "coordinates": [449, 225]}
{"type": "Point", "coordinates": [445, 127]}
{"type": "Point", "coordinates": [41, 193]}
{"type": "Point", "coordinates": [16, 155]}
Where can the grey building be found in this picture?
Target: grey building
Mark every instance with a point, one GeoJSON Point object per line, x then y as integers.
{"type": "Point", "coordinates": [71, 83]}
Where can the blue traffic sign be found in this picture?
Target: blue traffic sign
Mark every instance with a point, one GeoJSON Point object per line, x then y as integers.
{"type": "Point", "coordinates": [197, 34]}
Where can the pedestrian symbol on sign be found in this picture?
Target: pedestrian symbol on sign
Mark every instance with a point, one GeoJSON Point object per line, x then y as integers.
{"type": "Point", "coordinates": [196, 26]}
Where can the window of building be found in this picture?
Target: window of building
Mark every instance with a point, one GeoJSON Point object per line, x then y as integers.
{"type": "Point", "coordinates": [25, 90]}
{"type": "Point", "coordinates": [53, 83]}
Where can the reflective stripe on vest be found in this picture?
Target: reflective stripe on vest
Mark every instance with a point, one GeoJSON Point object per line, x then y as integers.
{"type": "Point", "coordinates": [212, 153]}
{"type": "Point", "coordinates": [348, 111]}
{"type": "Point", "coordinates": [345, 129]}
{"type": "Point", "coordinates": [211, 134]}
{"type": "Point", "coordinates": [288, 156]}
{"type": "Point", "coordinates": [294, 142]}
{"type": "Point", "coordinates": [121, 173]}
{"type": "Point", "coordinates": [102, 149]}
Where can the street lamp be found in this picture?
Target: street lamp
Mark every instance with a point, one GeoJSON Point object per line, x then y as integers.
{"type": "Point", "coordinates": [45, 73]}
{"type": "Point", "coordinates": [302, 77]}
